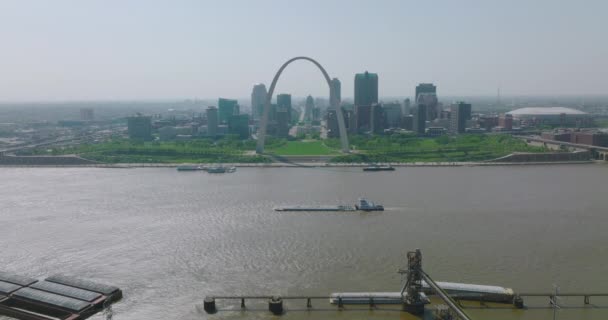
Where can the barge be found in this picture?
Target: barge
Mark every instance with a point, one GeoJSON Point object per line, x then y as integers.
{"type": "Point", "coordinates": [316, 208]}
{"type": "Point", "coordinates": [362, 205]}
{"type": "Point", "coordinates": [57, 297]}
{"type": "Point", "coordinates": [189, 168]}
{"type": "Point", "coordinates": [214, 169]}
{"type": "Point", "coordinates": [379, 168]}
{"type": "Point", "coordinates": [221, 169]}
{"type": "Point", "coordinates": [462, 291]}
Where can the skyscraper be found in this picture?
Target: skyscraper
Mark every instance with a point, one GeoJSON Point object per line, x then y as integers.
{"type": "Point", "coordinates": [227, 108]}
{"type": "Point", "coordinates": [316, 114]}
{"type": "Point", "coordinates": [351, 124]}
{"type": "Point", "coordinates": [407, 107]}
{"type": "Point", "coordinates": [426, 93]}
{"type": "Point", "coordinates": [393, 114]}
{"type": "Point", "coordinates": [310, 104]}
{"type": "Point", "coordinates": [332, 123]}
{"type": "Point", "coordinates": [140, 127]}
{"type": "Point", "coordinates": [258, 99]}
{"type": "Point", "coordinates": [431, 103]}
{"type": "Point", "coordinates": [272, 113]}
{"type": "Point", "coordinates": [425, 88]}
{"type": "Point", "coordinates": [377, 118]}
{"type": "Point", "coordinates": [363, 115]}
{"type": "Point", "coordinates": [239, 124]}
{"type": "Point", "coordinates": [212, 121]}
{"type": "Point", "coordinates": [419, 124]}
{"type": "Point", "coordinates": [336, 91]}
{"type": "Point", "coordinates": [366, 89]}
{"type": "Point", "coordinates": [284, 104]}
{"type": "Point", "coordinates": [407, 122]}
{"type": "Point", "coordinates": [460, 113]}
{"type": "Point", "coordinates": [282, 129]}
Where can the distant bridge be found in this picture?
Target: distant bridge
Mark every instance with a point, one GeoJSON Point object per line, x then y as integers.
{"type": "Point", "coordinates": [600, 153]}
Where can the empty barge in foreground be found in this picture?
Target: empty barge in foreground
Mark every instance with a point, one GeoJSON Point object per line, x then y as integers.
{"type": "Point", "coordinates": [56, 297]}
{"type": "Point", "coordinates": [362, 205]}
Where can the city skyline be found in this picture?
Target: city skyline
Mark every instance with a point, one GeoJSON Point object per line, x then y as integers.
{"type": "Point", "coordinates": [111, 50]}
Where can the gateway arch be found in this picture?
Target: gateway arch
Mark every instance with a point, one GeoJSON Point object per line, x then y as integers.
{"type": "Point", "coordinates": [334, 103]}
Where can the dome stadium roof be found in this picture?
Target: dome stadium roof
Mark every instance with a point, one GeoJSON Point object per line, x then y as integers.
{"type": "Point", "coordinates": [545, 111]}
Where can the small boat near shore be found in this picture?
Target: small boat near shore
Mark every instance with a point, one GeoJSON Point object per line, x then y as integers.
{"type": "Point", "coordinates": [214, 169]}
{"type": "Point", "coordinates": [189, 168]}
{"type": "Point", "coordinates": [221, 169]}
{"type": "Point", "coordinates": [376, 167]}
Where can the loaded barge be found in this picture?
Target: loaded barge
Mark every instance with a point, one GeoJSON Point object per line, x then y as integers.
{"type": "Point", "coordinates": [189, 168]}
{"type": "Point", "coordinates": [379, 168]}
{"type": "Point", "coordinates": [214, 169]}
{"type": "Point", "coordinates": [316, 208]}
{"type": "Point", "coordinates": [362, 205]}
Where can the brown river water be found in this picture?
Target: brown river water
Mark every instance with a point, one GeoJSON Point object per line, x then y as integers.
{"type": "Point", "coordinates": [170, 238]}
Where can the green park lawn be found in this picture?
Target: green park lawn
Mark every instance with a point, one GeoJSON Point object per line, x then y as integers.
{"type": "Point", "coordinates": [408, 148]}
{"type": "Point", "coordinates": [301, 148]}
{"type": "Point", "coordinates": [194, 151]}
{"type": "Point", "coordinates": [392, 148]}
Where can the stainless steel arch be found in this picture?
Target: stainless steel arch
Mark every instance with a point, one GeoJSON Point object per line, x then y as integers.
{"type": "Point", "coordinates": [334, 103]}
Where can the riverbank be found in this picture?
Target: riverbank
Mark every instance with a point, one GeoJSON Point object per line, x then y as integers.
{"type": "Point", "coordinates": [306, 164]}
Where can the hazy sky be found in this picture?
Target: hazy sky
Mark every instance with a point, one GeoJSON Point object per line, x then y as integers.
{"type": "Point", "coordinates": [148, 49]}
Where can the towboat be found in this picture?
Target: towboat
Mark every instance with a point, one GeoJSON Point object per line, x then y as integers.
{"type": "Point", "coordinates": [366, 205]}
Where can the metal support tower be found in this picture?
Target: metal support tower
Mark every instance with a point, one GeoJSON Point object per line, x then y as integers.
{"type": "Point", "coordinates": [410, 293]}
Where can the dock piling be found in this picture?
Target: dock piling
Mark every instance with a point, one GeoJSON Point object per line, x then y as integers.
{"type": "Point", "coordinates": [242, 303]}
{"type": "Point", "coordinates": [209, 305]}
{"type": "Point", "coordinates": [308, 303]}
{"type": "Point", "coordinates": [275, 305]}
{"type": "Point", "coordinates": [586, 299]}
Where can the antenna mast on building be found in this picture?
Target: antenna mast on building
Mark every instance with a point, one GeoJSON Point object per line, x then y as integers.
{"type": "Point", "coordinates": [498, 97]}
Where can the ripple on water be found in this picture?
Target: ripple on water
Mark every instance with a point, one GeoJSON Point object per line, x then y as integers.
{"type": "Point", "coordinates": [169, 239]}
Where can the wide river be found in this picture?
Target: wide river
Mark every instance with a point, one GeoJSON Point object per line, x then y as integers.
{"type": "Point", "coordinates": [170, 238]}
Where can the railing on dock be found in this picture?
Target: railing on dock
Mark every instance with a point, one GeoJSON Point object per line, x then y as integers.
{"type": "Point", "coordinates": [373, 302]}
{"type": "Point", "coordinates": [412, 296]}
{"type": "Point", "coordinates": [275, 303]}
{"type": "Point", "coordinates": [586, 296]}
